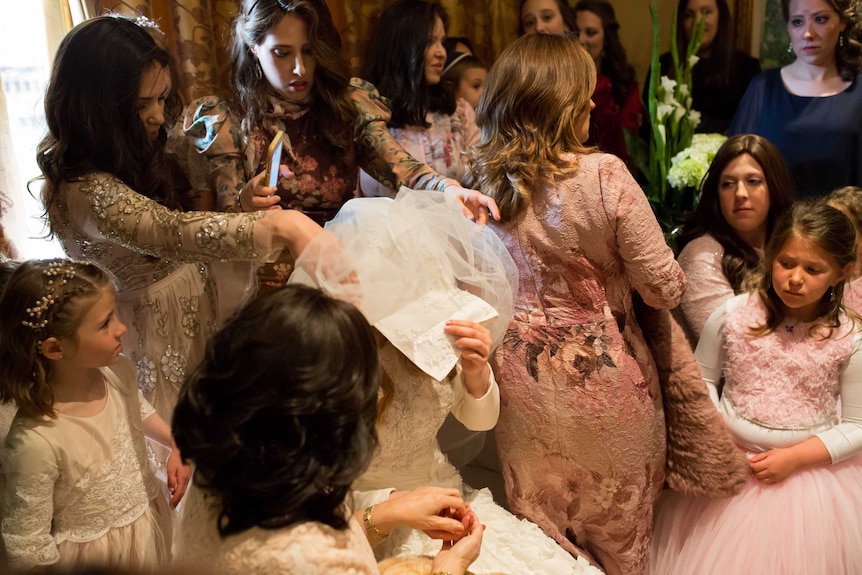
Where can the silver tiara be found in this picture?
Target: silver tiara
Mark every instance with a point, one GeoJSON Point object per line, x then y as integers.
{"type": "Point", "coordinates": [58, 274]}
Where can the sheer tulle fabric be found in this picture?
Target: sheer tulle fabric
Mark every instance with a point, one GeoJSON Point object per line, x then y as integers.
{"type": "Point", "coordinates": [809, 523]}
{"type": "Point", "coordinates": [388, 255]}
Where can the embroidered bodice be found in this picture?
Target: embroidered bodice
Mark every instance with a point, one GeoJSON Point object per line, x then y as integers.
{"type": "Point", "coordinates": [788, 379]}
{"type": "Point", "coordinates": [99, 218]}
{"type": "Point", "coordinates": [76, 478]}
{"type": "Point", "coordinates": [408, 455]}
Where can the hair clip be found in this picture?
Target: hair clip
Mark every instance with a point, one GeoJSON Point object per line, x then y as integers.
{"type": "Point", "coordinates": [58, 274]}
{"type": "Point", "coordinates": [145, 22]}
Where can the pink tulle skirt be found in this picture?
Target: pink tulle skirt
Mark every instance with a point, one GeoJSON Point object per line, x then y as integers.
{"type": "Point", "coordinates": [144, 544]}
{"type": "Point", "coordinates": [809, 524]}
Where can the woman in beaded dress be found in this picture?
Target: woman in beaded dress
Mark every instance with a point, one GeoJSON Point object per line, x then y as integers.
{"type": "Point", "coordinates": [108, 198]}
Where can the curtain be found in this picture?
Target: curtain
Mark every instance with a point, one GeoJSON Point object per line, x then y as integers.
{"type": "Point", "coordinates": [198, 32]}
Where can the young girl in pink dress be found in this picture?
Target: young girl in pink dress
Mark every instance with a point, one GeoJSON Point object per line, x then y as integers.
{"type": "Point", "coordinates": [78, 490]}
{"type": "Point", "coordinates": [788, 354]}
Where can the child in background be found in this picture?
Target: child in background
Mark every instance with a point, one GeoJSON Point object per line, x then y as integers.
{"type": "Point", "coordinates": [849, 200]}
{"type": "Point", "coordinates": [787, 352]}
{"type": "Point", "coordinates": [465, 76]}
{"type": "Point", "coordinates": [78, 487]}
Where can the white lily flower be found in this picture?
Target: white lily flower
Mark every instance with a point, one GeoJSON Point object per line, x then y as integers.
{"type": "Point", "coordinates": [692, 60]}
{"type": "Point", "coordinates": [663, 111]}
{"type": "Point", "coordinates": [668, 84]}
{"type": "Point", "coordinates": [694, 118]}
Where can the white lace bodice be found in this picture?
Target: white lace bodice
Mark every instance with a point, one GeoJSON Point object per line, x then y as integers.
{"type": "Point", "coordinates": [304, 549]}
{"type": "Point", "coordinates": [76, 478]}
{"type": "Point", "coordinates": [408, 455]}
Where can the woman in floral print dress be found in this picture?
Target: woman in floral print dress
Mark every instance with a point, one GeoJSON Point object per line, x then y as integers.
{"type": "Point", "coordinates": [581, 431]}
{"type": "Point", "coordinates": [289, 75]}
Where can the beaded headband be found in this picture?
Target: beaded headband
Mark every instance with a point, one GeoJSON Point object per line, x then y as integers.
{"type": "Point", "coordinates": [58, 274]}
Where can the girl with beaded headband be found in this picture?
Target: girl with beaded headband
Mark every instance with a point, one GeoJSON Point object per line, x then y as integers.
{"type": "Point", "coordinates": [78, 486]}
{"type": "Point", "coordinates": [108, 201]}
{"type": "Point", "coordinates": [787, 353]}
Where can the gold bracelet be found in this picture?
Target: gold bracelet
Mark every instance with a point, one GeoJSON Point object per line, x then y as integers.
{"type": "Point", "coordinates": [441, 573]}
{"type": "Point", "coordinates": [370, 528]}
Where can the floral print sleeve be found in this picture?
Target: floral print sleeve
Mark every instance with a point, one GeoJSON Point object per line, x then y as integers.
{"type": "Point", "coordinates": [379, 153]}
{"type": "Point", "coordinates": [211, 128]}
{"type": "Point", "coordinates": [649, 262]}
{"type": "Point", "coordinates": [105, 209]}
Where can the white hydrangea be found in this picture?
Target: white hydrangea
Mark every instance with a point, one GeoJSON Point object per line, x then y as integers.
{"type": "Point", "coordinates": [689, 166]}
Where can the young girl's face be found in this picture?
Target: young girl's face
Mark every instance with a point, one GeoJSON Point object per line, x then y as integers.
{"type": "Point", "coordinates": [801, 273]}
{"type": "Point", "coordinates": [285, 58]}
{"type": "Point", "coordinates": [152, 94]}
{"type": "Point", "coordinates": [435, 53]}
{"type": "Point", "coordinates": [470, 85]}
{"type": "Point", "coordinates": [97, 341]}
{"type": "Point", "coordinates": [543, 17]}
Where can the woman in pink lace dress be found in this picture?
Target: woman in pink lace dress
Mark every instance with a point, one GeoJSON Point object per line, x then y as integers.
{"type": "Point", "coordinates": [744, 192]}
{"type": "Point", "coordinates": [788, 354]}
{"type": "Point", "coordinates": [581, 430]}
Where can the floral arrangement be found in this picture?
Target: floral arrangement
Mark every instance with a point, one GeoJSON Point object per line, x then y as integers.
{"type": "Point", "coordinates": [688, 167]}
{"type": "Point", "coordinates": [672, 123]}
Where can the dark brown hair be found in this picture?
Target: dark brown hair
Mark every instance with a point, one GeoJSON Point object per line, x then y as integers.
{"type": "Point", "coordinates": [336, 112]}
{"type": "Point", "coordinates": [740, 259]}
{"type": "Point", "coordinates": [831, 231]}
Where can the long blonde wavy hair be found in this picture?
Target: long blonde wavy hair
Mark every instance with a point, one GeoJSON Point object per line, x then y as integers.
{"type": "Point", "coordinates": [531, 111]}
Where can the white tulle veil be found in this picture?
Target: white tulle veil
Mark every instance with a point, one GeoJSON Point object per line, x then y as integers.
{"type": "Point", "coordinates": [410, 264]}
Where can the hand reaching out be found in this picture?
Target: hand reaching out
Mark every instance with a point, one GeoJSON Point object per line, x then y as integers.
{"type": "Point", "coordinates": [474, 204]}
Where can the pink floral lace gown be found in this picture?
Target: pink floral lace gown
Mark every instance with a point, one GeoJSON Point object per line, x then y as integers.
{"type": "Point", "coordinates": [581, 431]}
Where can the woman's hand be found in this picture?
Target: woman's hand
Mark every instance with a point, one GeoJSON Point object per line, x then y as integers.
{"type": "Point", "coordinates": [474, 341]}
{"type": "Point", "coordinates": [434, 510]}
{"type": "Point", "coordinates": [455, 557]}
{"type": "Point", "coordinates": [178, 476]}
{"type": "Point", "coordinates": [474, 204]}
{"type": "Point", "coordinates": [257, 196]}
